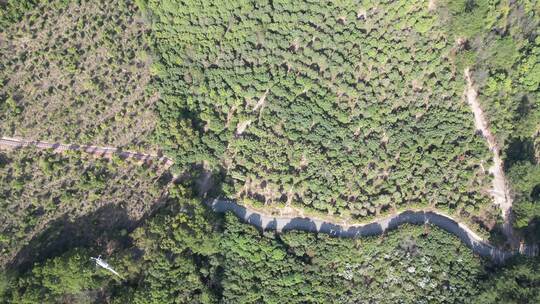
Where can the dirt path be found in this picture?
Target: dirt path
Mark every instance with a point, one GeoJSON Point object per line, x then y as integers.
{"type": "Point", "coordinates": [500, 190]}
{"type": "Point", "coordinates": [107, 152]}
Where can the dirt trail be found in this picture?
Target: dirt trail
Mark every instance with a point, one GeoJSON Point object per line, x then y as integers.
{"type": "Point", "coordinates": [107, 152]}
{"type": "Point", "coordinates": [500, 191]}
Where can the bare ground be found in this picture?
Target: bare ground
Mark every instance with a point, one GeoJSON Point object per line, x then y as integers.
{"type": "Point", "coordinates": [500, 191]}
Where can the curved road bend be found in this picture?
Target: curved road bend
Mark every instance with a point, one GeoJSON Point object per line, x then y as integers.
{"type": "Point", "coordinates": [270, 222]}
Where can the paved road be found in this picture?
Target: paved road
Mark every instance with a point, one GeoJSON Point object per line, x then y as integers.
{"type": "Point", "coordinates": [12, 143]}
{"type": "Point", "coordinates": [270, 222]}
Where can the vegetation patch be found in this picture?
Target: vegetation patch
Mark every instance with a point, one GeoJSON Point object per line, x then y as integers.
{"type": "Point", "coordinates": [502, 39]}
{"type": "Point", "coordinates": [41, 191]}
{"type": "Point", "coordinates": [76, 72]}
{"type": "Point", "coordinates": [187, 254]}
{"type": "Point", "coordinates": [346, 108]}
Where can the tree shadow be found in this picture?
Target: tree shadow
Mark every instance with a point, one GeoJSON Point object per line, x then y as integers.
{"type": "Point", "coordinates": [255, 220]}
{"type": "Point", "coordinates": [95, 230]}
{"type": "Point", "coordinates": [266, 222]}
{"type": "Point", "coordinates": [4, 160]}
{"type": "Point", "coordinates": [532, 231]}
{"type": "Point", "coordinates": [74, 147]}
{"type": "Point", "coordinates": [298, 223]}
{"type": "Point", "coordinates": [519, 149]}
{"type": "Point", "coordinates": [165, 179]}
{"type": "Point", "coordinates": [365, 230]}
{"type": "Point", "coordinates": [535, 193]}
{"type": "Point", "coordinates": [478, 246]}
{"type": "Point", "coordinates": [496, 235]}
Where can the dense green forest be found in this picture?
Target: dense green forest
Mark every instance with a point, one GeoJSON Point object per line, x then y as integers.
{"type": "Point", "coordinates": [342, 107]}
{"type": "Point", "coordinates": [348, 108]}
{"type": "Point", "coordinates": [367, 97]}
{"type": "Point", "coordinates": [187, 254]}
{"type": "Point", "coordinates": [76, 71]}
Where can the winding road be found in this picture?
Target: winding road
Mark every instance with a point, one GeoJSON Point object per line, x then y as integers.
{"type": "Point", "coordinates": [263, 221]}
{"type": "Point", "coordinates": [377, 227]}
{"type": "Point", "coordinates": [284, 223]}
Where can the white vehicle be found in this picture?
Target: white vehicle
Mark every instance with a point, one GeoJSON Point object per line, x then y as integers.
{"type": "Point", "coordinates": [101, 263]}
